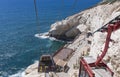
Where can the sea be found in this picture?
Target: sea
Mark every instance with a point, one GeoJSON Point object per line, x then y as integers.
{"type": "Point", "coordinates": [19, 45]}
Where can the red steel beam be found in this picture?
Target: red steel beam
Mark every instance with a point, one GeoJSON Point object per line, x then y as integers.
{"type": "Point", "coordinates": [106, 46]}
{"type": "Point", "coordinates": [110, 29]}
{"type": "Point", "coordinates": [99, 62]}
{"type": "Point", "coordinates": [87, 68]}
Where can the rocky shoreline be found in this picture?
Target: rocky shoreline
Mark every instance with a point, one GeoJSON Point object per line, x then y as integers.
{"type": "Point", "coordinates": [82, 25]}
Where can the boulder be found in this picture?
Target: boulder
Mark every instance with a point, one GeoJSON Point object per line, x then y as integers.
{"type": "Point", "coordinates": [62, 29]}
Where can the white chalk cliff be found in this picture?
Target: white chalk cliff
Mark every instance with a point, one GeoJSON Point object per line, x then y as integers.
{"type": "Point", "coordinates": [89, 21]}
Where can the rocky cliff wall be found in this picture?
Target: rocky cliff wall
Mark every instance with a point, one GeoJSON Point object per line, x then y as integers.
{"type": "Point", "coordinates": [81, 25]}
{"type": "Point", "coordinates": [89, 21]}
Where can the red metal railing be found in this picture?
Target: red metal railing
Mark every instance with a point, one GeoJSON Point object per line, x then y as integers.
{"type": "Point", "coordinates": [84, 67]}
{"type": "Point", "coordinates": [87, 67]}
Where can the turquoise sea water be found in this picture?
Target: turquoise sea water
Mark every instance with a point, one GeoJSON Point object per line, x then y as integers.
{"type": "Point", "coordinates": [18, 45]}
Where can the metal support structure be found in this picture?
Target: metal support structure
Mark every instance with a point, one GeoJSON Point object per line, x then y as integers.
{"type": "Point", "coordinates": [87, 68]}
{"type": "Point", "coordinates": [110, 29]}
{"type": "Point", "coordinates": [106, 45]}
{"type": "Point", "coordinates": [99, 63]}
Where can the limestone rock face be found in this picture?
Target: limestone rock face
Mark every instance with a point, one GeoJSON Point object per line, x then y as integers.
{"type": "Point", "coordinates": [82, 27]}
{"type": "Point", "coordinates": [65, 28]}
{"type": "Point", "coordinates": [32, 71]}
{"type": "Point", "coordinates": [72, 33]}
{"type": "Point", "coordinates": [113, 54]}
{"type": "Point", "coordinates": [89, 21]}
{"type": "Point", "coordinates": [31, 68]}
{"type": "Point", "coordinates": [115, 61]}
{"type": "Point", "coordinates": [97, 44]}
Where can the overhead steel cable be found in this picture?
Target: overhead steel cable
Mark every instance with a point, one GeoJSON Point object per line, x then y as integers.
{"type": "Point", "coordinates": [74, 4]}
{"type": "Point", "coordinates": [38, 24]}
{"type": "Point", "coordinates": [36, 13]}
{"type": "Point", "coordinates": [104, 26]}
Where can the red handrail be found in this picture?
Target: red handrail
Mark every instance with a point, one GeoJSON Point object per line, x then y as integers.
{"type": "Point", "coordinates": [87, 68]}
{"type": "Point", "coordinates": [110, 29]}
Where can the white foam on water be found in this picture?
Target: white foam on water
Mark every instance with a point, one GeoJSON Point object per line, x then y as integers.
{"type": "Point", "coordinates": [45, 36]}
{"type": "Point", "coordinates": [19, 74]}
{"type": "Point", "coordinates": [54, 39]}
{"type": "Point", "coordinates": [42, 35]}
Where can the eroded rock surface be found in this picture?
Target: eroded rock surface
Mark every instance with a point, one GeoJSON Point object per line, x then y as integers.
{"type": "Point", "coordinates": [86, 22]}
{"type": "Point", "coordinates": [90, 20]}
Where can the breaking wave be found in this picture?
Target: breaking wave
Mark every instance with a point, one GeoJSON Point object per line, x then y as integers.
{"type": "Point", "coordinates": [42, 35]}
{"type": "Point", "coordinates": [45, 36]}
{"type": "Point", "coordinates": [19, 74]}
